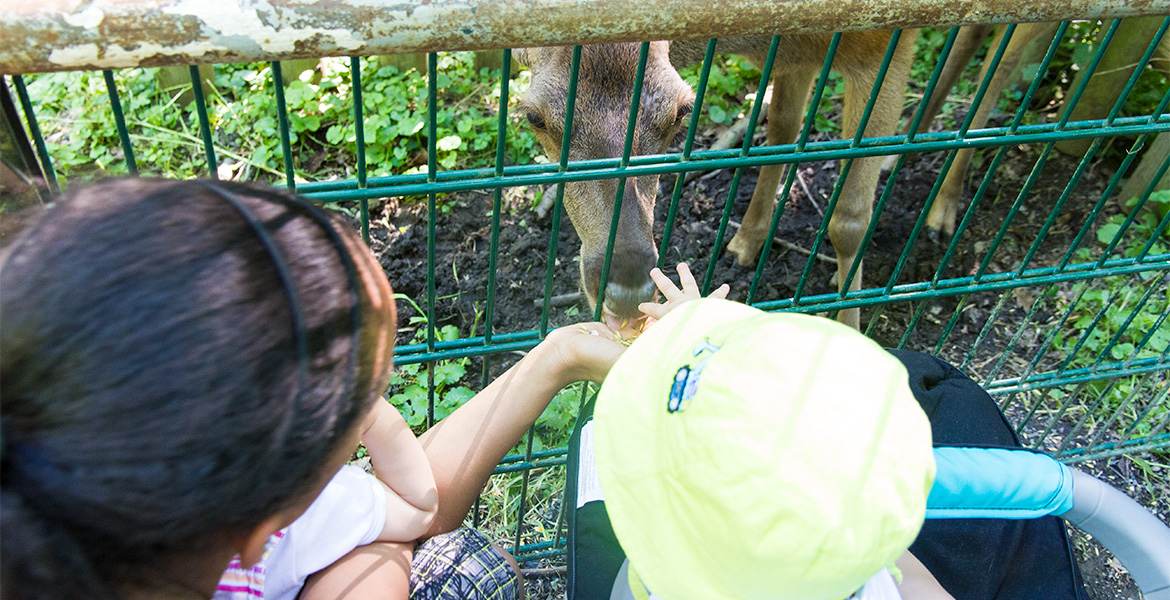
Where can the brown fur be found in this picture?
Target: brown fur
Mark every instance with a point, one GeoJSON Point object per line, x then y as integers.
{"type": "Point", "coordinates": [603, 93]}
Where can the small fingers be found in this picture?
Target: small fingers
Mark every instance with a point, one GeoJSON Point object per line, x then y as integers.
{"type": "Point", "coordinates": [665, 285]}
{"type": "Point", "coordinates": [720, 292]}
{"type": "Point", "coordinates": [687, 280]}
{"type": "Point", "coordinates": [653, 310]}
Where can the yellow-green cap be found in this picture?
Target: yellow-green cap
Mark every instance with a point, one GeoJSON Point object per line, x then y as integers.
{"type": "Point", "coordinates": [749, 455]}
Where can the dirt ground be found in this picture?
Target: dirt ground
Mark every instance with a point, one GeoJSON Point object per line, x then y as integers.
{"type": "Point", "coordinates": [463, 248]}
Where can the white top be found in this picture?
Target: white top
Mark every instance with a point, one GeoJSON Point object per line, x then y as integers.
{"type": "Point", "coordinates": [350, 512]}
{"type": "Point", "coordinates": [879, 587]}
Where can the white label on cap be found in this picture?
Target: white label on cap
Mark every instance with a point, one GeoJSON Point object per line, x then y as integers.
{"type": "Point", "coordinates": [588, 485]}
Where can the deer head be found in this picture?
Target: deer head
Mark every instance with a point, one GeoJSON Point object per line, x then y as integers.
{"type": "Point", "coordinates": [604, 90]}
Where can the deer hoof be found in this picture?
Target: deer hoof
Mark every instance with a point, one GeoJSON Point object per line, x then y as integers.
{"type": "Point", "coordinates": [746, 249]}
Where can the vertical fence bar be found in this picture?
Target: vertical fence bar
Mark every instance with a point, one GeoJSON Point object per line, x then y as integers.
{"type": "Point", "coordinates": [1028, 318]}
{"type": "Point", "coordinates": [864, 245]}
{"type": "Point", "coordinates": [432, 215]}
{"type": "Point", "coordinates": [282, 121]}
{"type": "Point", "coordinates": [497, 200]}
{"type": "Point", "coordinates": [1121, 329]}
{"type": "Point", "coordinates": [120, 122]}
{"type": "Point", "coordinates": [992, 319]}
{"type": "Point", "coordinates": [1048, 147]}
{"type": "Point", "coordinates": [1153, 404]}
{"type": "Point", "coordinates": [765, 76]}
{"type": "Point", "coordinates": [912, 130]}
{"type": "Point", "coordinates": [35, 130]}
{"type": "Point", "coordinates": [989, 176]}
{"type": "Point", "coordinates": [918, 226]}
{"type": "Point", "coordinates": [1155, 328]}
{"type": "Point", "coordinates": [635, 102]}
{"type": "Point", "coordinates": [802, 139]}
{"type": "Point", "coordinates": [520, 506]}
{"type": "Point", "coordinates": [566, 139]}
{"type": "Point", "coordinates": [846, 167]}
{"type": "Point", "coordinates": [1088, 332]}
{"type": "Point", "coordinates": [680, 180]}
{"type": "Point", "coordinates": [359, 126]}
{"type": "Point", "coordinates": [1094, 147]}
{"type": "Point", "coordinates": [950, 326]}
{"type": "Point", "coordinates": [204, 122]}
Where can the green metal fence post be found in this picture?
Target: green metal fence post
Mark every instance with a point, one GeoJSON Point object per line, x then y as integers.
{"type": "Point", "coordinates": [204, 122]}
{"type": "Point", "coordinates": [765, 76]}
{"type": "Point", "coordinates": [635, 101]}
{"type": "Point", "coordinates": [282, 121]}
{"type": "Point", "coordinates": [120, 122]}
{"type": "Point", "coordinates": [35, 131]}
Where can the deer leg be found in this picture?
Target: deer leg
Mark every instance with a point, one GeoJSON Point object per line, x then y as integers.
{"type": "Point", "coordinates": [790, 89]}
{"type": "Point", "coordinates": [966, 44]}
{"type": "Point", "coordinates": [851, 216]}
{"type": "Point", "coordinates": [940, 223]}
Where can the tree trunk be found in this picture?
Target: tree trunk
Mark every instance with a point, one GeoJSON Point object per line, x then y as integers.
{"type": "Point", "coordinates": [177, 80]}
{"type": "Point", "coordinates": [290, 70]}
{"type": "Point", "coordinates": [1129, 42]}
{"type": "Point", "coordinates": [1147, 168]}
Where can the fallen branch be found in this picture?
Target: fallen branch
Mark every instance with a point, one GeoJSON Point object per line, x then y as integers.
{"type": "Point", "coordinates": [793, 247]}
{"type": "Point", "coordinates": [807, 193]}
{"type": "Point", "coordinates": [561, 300]}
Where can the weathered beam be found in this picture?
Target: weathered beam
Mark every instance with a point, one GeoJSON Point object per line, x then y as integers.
{"type": "Point", "coordinates": [56, 35]}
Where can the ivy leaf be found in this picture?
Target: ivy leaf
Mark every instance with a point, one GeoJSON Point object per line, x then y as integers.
{"type": "Point", "coordinates": [447, 373]}
{"type": "Point", "coordinates": [717, 114]}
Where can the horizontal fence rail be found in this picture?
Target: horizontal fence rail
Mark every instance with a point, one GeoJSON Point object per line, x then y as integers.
{"type": "Point", "coordinates": [107, 34]}
{"type": "Point", "coordinates": [1074, 341]}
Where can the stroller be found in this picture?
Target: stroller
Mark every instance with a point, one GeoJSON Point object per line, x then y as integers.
{"type": "Point", "coordinates": [996, 513]}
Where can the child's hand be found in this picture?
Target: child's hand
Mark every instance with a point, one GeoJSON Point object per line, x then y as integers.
{"type": "Point", "coordinates": [674, 296]}
{"type": "Point", "coordinates": [586, 351]}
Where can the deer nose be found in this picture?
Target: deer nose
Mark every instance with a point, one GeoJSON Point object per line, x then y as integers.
{"type": "Point", "coordinates": [630, 285]}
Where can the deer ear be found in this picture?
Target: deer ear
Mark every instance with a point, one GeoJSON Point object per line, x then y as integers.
{"type": "Point", "coordinates": [526, 56]}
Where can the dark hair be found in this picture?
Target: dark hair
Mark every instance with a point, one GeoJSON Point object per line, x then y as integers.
{"type": "Point", "coordinates": [155, 389]}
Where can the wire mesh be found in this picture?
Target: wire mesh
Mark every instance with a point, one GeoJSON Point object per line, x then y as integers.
{"type": "Point", "coordinates": [1071, 336]}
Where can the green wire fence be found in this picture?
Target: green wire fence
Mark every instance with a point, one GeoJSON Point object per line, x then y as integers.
{"type": "Point", "coordinates": [1076, 348]}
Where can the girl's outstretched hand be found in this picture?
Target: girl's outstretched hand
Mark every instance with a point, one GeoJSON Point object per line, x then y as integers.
{"type": "Point", "coordinates": [586, 351]}
{"type": "Point", "coordinates": [675, 296]}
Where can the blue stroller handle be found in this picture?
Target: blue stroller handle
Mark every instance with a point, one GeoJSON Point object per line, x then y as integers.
{"type": "Point", "coordinates": [1019, 484]}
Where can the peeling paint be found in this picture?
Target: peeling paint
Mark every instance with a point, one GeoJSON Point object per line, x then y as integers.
{"type": "Point", "coordinates": [88, 18]}
{"type": "Point", "coordinates": [56, 35]}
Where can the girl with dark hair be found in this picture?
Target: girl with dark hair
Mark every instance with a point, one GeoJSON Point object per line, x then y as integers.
{"type": "Point", "coordinates": [185, 366]}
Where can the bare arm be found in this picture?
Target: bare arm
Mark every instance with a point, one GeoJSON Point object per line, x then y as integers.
{"type": "Point", "coordinates": [412, 500]}
{"type": "Point", "coordinates": [379, 570]}
{"type": "Point", "coordinates": [464, 447]}
{"type": "Point", "coordinates": [917, 582]}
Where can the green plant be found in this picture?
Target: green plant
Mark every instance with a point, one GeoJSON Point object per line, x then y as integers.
{"type": "Point", "coordinates": [78, 124]}
{"type": "Point", "coordinates": [1112, 324]}
{"type": "Point", "coordinates": [731, 87]}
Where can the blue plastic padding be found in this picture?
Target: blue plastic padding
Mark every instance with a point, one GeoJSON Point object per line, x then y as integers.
{"type": "Point", "coordinates": [997, 483]}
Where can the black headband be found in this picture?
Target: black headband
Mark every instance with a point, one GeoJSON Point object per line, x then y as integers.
{"type": "Point", "coordinates": [285, 274]}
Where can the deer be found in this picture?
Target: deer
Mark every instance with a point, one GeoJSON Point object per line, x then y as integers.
{"type": "Point", "coordinates": [941, 219]}
{"type": "Point", "coordinates": [604, 91]}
